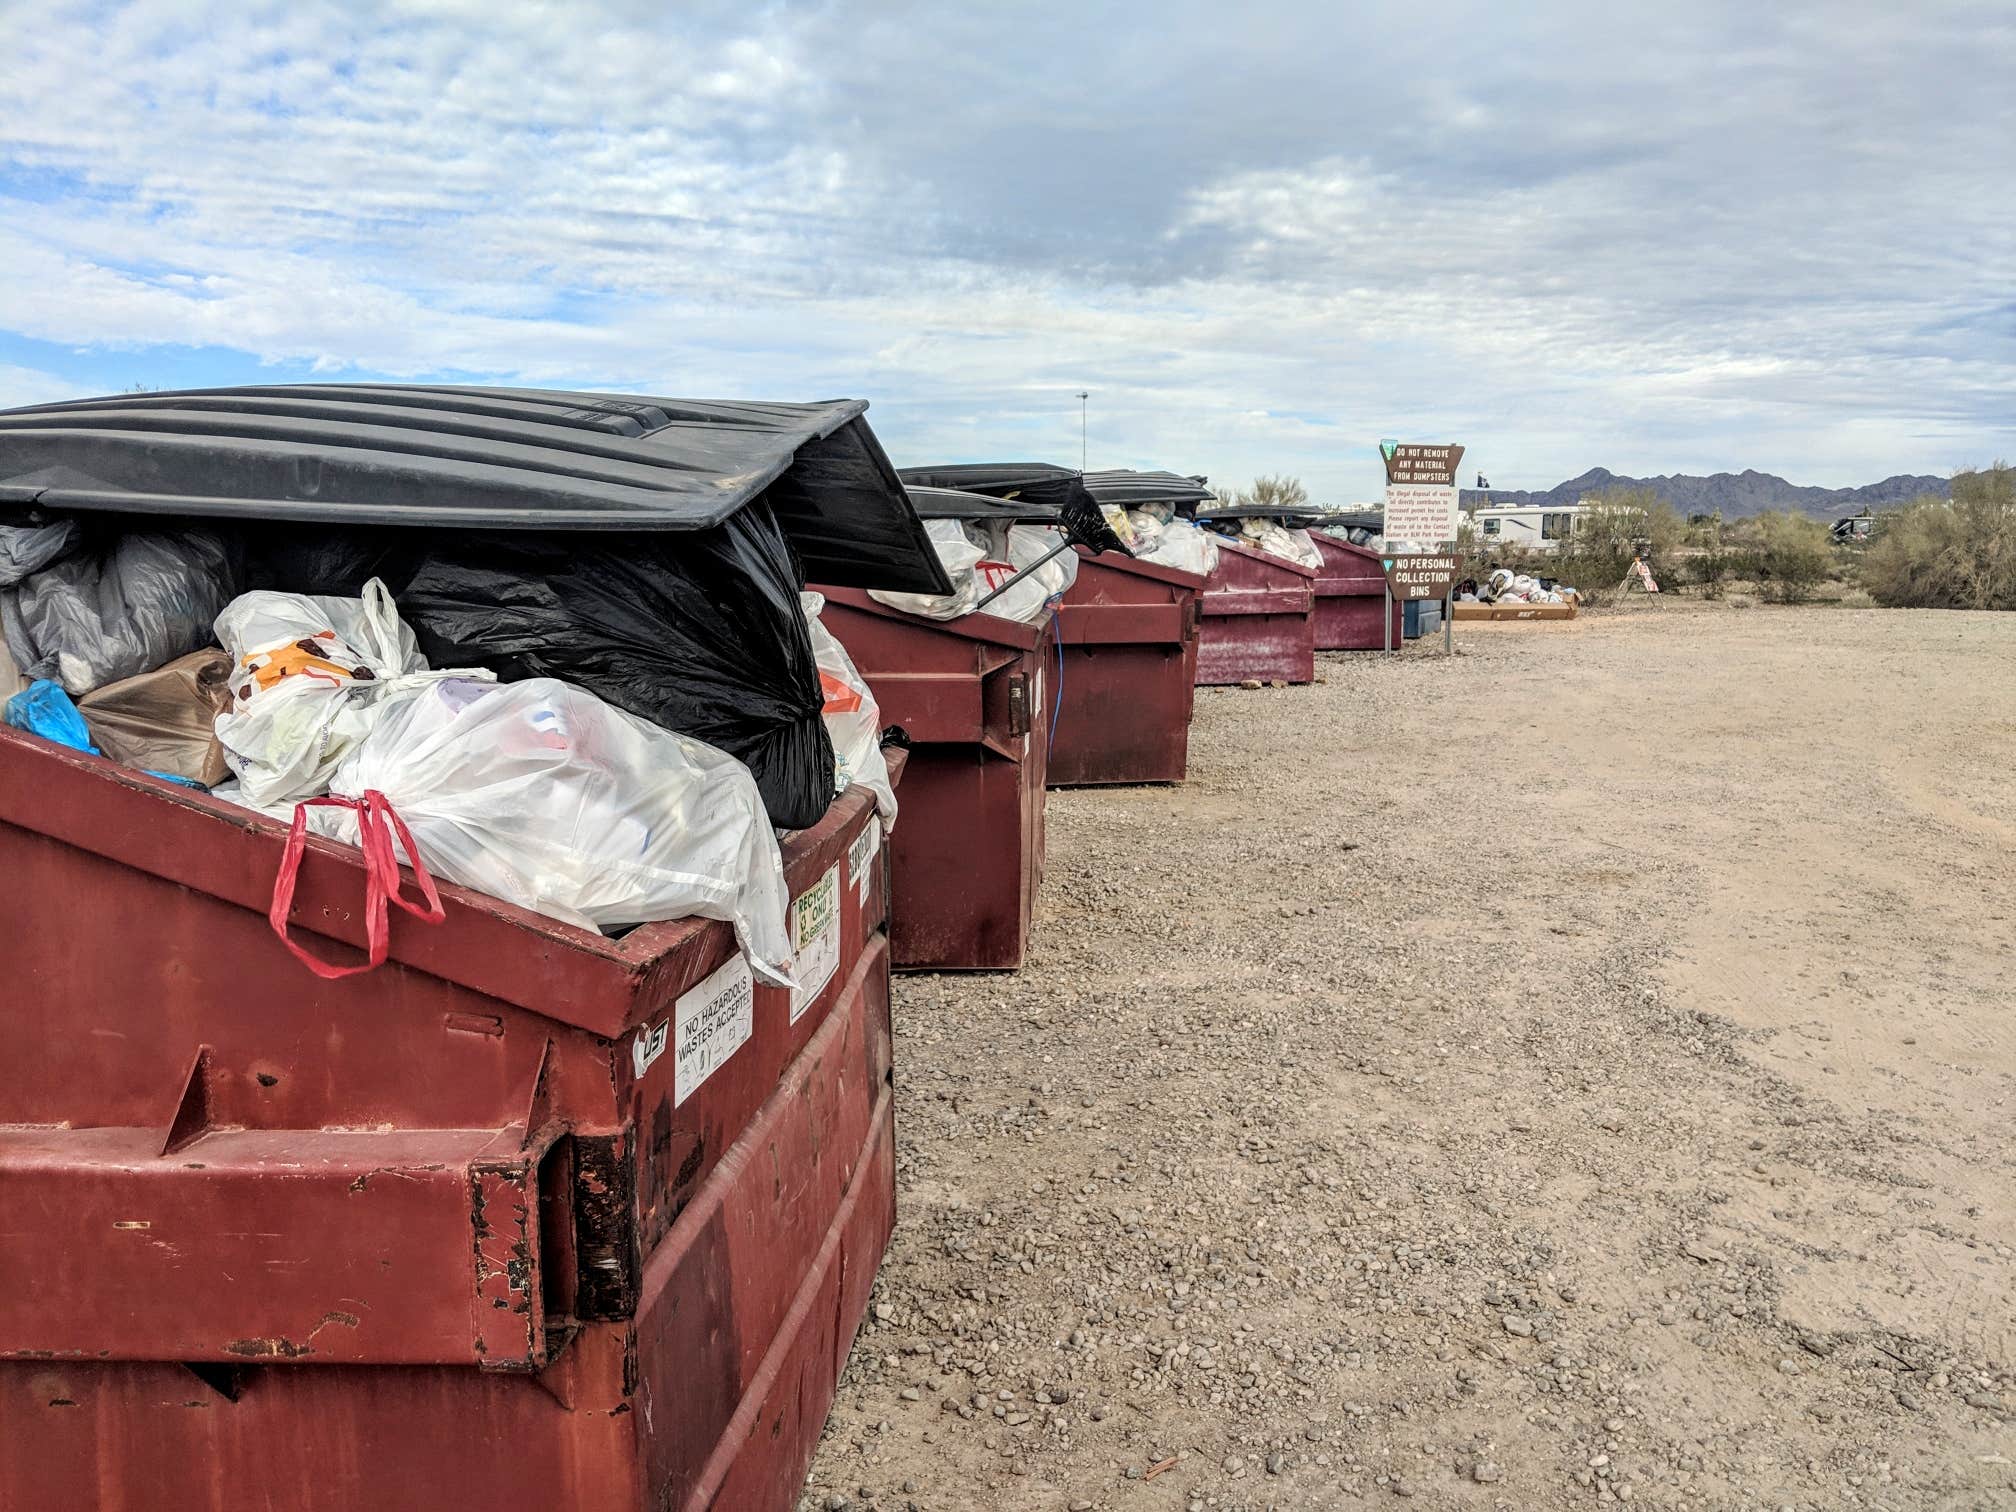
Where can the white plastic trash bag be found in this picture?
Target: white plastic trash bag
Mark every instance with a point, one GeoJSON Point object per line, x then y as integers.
{"type": "Point", "coordinates": [979, 557]}
{"type": "Point", "coordinates": [1033, 591]}
{"type": "Point", "coordinates": [1182, 544]}
{"type": "Point", "coordinates": [308, 676]}
{"type": "Point", "coordinates": [1145, 529]}
{"type": "Point", "coordinates": [960, 553]}
{"type": "Point", "coordinates": [853, 722]}
{"type": "Point", "coordinates": [539, 793]}
{"type": "Point", "coordinates": [1276, 540]}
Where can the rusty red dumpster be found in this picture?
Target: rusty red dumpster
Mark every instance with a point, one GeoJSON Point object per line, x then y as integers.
{"type": "Point", "coordinates": [973, 696]}
{"type": "Point", "coordinates": [1258, 619]}
{"type": "Point", "coordinates": [1127, 633]}
{"type": "Point", "coordinates": [527, 1218]}
{"type": "Point", "coordinates": [1350, 596]}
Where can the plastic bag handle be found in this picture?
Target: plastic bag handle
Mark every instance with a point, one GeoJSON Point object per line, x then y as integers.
{"type": "Point", "coordinates": [377, 822]}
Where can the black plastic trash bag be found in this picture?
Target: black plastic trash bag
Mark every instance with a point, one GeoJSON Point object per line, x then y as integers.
{"type": "Point", "coordinates": [698, 631]}
{"type": "Point", "coordinates": [86, 604]}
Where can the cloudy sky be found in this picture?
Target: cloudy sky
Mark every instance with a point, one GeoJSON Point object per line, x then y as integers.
{"type": "Point", "coordinates": [1663, 237]}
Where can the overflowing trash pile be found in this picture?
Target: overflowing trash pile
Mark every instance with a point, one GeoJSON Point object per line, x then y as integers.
{"type": "Point", "coordinates": [1156, 533]}
{"type": "Point", "coordinates": [606, 726]}
{"type": "Point", "coordinates": [1271, 536]}
{"type": "Point", "coordinates": [982, 556]}
{"type": "Point", "coordinates": [1504, 586]}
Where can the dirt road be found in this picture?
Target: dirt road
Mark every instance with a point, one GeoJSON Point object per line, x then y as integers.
{"type": "Point", "coordinates": [1579, 1072]}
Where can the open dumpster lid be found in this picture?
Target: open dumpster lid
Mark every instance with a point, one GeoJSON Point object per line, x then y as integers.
{"type": "Point", "coordinates": [481, 459]}
{"type": "Point", "coordinates": [1127, 488]}
{"type": "Point", "coordinates": [1058, 492]}
{"type": "Point", "coordinates": [1295, 517]}
{"type": "Point", "coordinates": [957, 504]}
{"type": "Point", "coordinates": [1350, 519]}
{"type": "Point", "coordinates": [1034, 483]}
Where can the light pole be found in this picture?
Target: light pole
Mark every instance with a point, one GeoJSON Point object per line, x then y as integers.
{"type": "Point", "coordinates": [1083, 396]}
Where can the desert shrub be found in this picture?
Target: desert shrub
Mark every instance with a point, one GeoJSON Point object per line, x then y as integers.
{"type": "Point", "coordinates": [1792, 555]}
{"type": "Point", "coordinates": [1282, 493]}
{"type": "Point", "coordinates": [1613, 529]}
{"type": "Point", "coordinates": [1709, 559]}
{"type": "Point", "coordinates": [1933, 554]}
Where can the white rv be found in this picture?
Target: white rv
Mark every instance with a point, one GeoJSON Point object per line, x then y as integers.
{"type": "Point", "coordinates": [1542, 529]}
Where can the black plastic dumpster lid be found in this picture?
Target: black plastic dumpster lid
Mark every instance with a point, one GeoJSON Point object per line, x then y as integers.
{"type": "Point", "coordinates": [1121, 486]}
{"type": "Point", "coordinates": [958, 504]}
{"type": "Point", "coordinates": [1033, 483]}
{"type": "Point", "coordinates": [481, 459]}
{"type": "Point", "coordinates": [1294, 517]}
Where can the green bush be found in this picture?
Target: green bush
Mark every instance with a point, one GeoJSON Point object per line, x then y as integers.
{"type": "Point", "coordinates": [1933, 554]}
{"type": "Point", "coordinates": [1282, 493]}
{"type": "Point", "coordinates": [1709, 559]}
{"type": "Point", "coordinates": [1610, 532]}
{"type": "Point", "coordinates": [1791, 555]}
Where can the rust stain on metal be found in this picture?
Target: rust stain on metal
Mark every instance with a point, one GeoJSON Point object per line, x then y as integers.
{"type": "Point", "coordinates": [281, 1349]}
{"type": "Point", "coordinates": [362, 1181]}
{"type": "Point", "coordinates": [484, 1024]}
{"type": "Point", "coordinates": [605, 1228]}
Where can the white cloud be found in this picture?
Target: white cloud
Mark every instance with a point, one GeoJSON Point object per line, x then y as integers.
{"type": "Point", "coordinates": [20, 385]}
{"type": "Point", "coordinates": [1564, 235]}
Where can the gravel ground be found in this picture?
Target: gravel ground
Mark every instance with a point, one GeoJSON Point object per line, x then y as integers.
{"type": "Point", "coordinates": [1578, 1072]}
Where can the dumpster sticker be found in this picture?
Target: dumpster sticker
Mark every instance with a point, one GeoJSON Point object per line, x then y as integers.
{"type": "Point", "coordinates": [815, 939]}
{"type": "Point", "coordinates": [711, 1023]}
{"type": "Point", "coordinates": [649, 1046]}
{"type": "Point", "coordinates": [861, 858]}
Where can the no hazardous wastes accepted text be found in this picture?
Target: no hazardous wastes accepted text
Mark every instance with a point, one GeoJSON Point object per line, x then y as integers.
{"type": "Point", "coordinates": [712, 1021]}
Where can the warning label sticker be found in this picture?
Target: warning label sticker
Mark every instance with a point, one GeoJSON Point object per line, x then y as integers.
{"type": "Point", "coordinates": [709, 1024]}
{"type": "Point", "coordinates": [815, 940]}
{"type": "Point", "coordinates": [861, 857]}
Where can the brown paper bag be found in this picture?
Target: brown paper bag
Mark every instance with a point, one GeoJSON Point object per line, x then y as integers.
{"type": "Point", "coordinates": [165, 720]}
{"type": "Point", "coordinates": [11, 680]}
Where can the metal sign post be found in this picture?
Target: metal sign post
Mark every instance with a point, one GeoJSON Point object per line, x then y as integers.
{"type": "Point", "coordinates": [1449, 621]}
{"type": "Point", "coordinates": [1386, 619]}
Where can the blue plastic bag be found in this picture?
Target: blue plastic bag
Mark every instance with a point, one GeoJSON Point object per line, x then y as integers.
{"type": "Point", "coordinates": [43, 708]}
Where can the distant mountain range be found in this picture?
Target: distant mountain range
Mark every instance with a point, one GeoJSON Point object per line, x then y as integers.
{"type": "Point", "coordinates": [1734, 494]}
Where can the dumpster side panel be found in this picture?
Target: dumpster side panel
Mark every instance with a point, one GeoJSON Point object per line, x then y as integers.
{"type": "Point", "coordinates": [157, 1438]}
{"type": "Point", "coordinates": [713, 1398]}
{"type": "Point", "coordinates": [436, 1186]}
{"type": "Point", "coordinates": [961, 862]}
{"type": "Point", "coordinates": [769, 1461]}
{"type": "Point", "coordinates": [1129, 643]}
{"type": "Point", "coordinates": [1258, 620]}
{"type": "Point", "coordinates": [106, 1035]}
{"type": "Point", "coordinates": [1350, 596]}
{"type": "Point", "coordinates": [975, 697]}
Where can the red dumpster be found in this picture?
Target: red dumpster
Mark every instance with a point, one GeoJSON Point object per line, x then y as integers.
{"type": "Point", "coordinates": [973, 696]}
{"type": "Point", "coordinates": [1128, 665]}
{"type": "Point", "coordinates": [1258, 619]}
{"type": "Point", "coordinates": [1350, 596]}
{"type": "Point", "coordinates": [525, 1218]}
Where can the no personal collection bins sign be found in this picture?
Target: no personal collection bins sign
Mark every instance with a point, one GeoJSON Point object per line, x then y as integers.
{"type": "Point", "coordinates": [1419, 577]}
